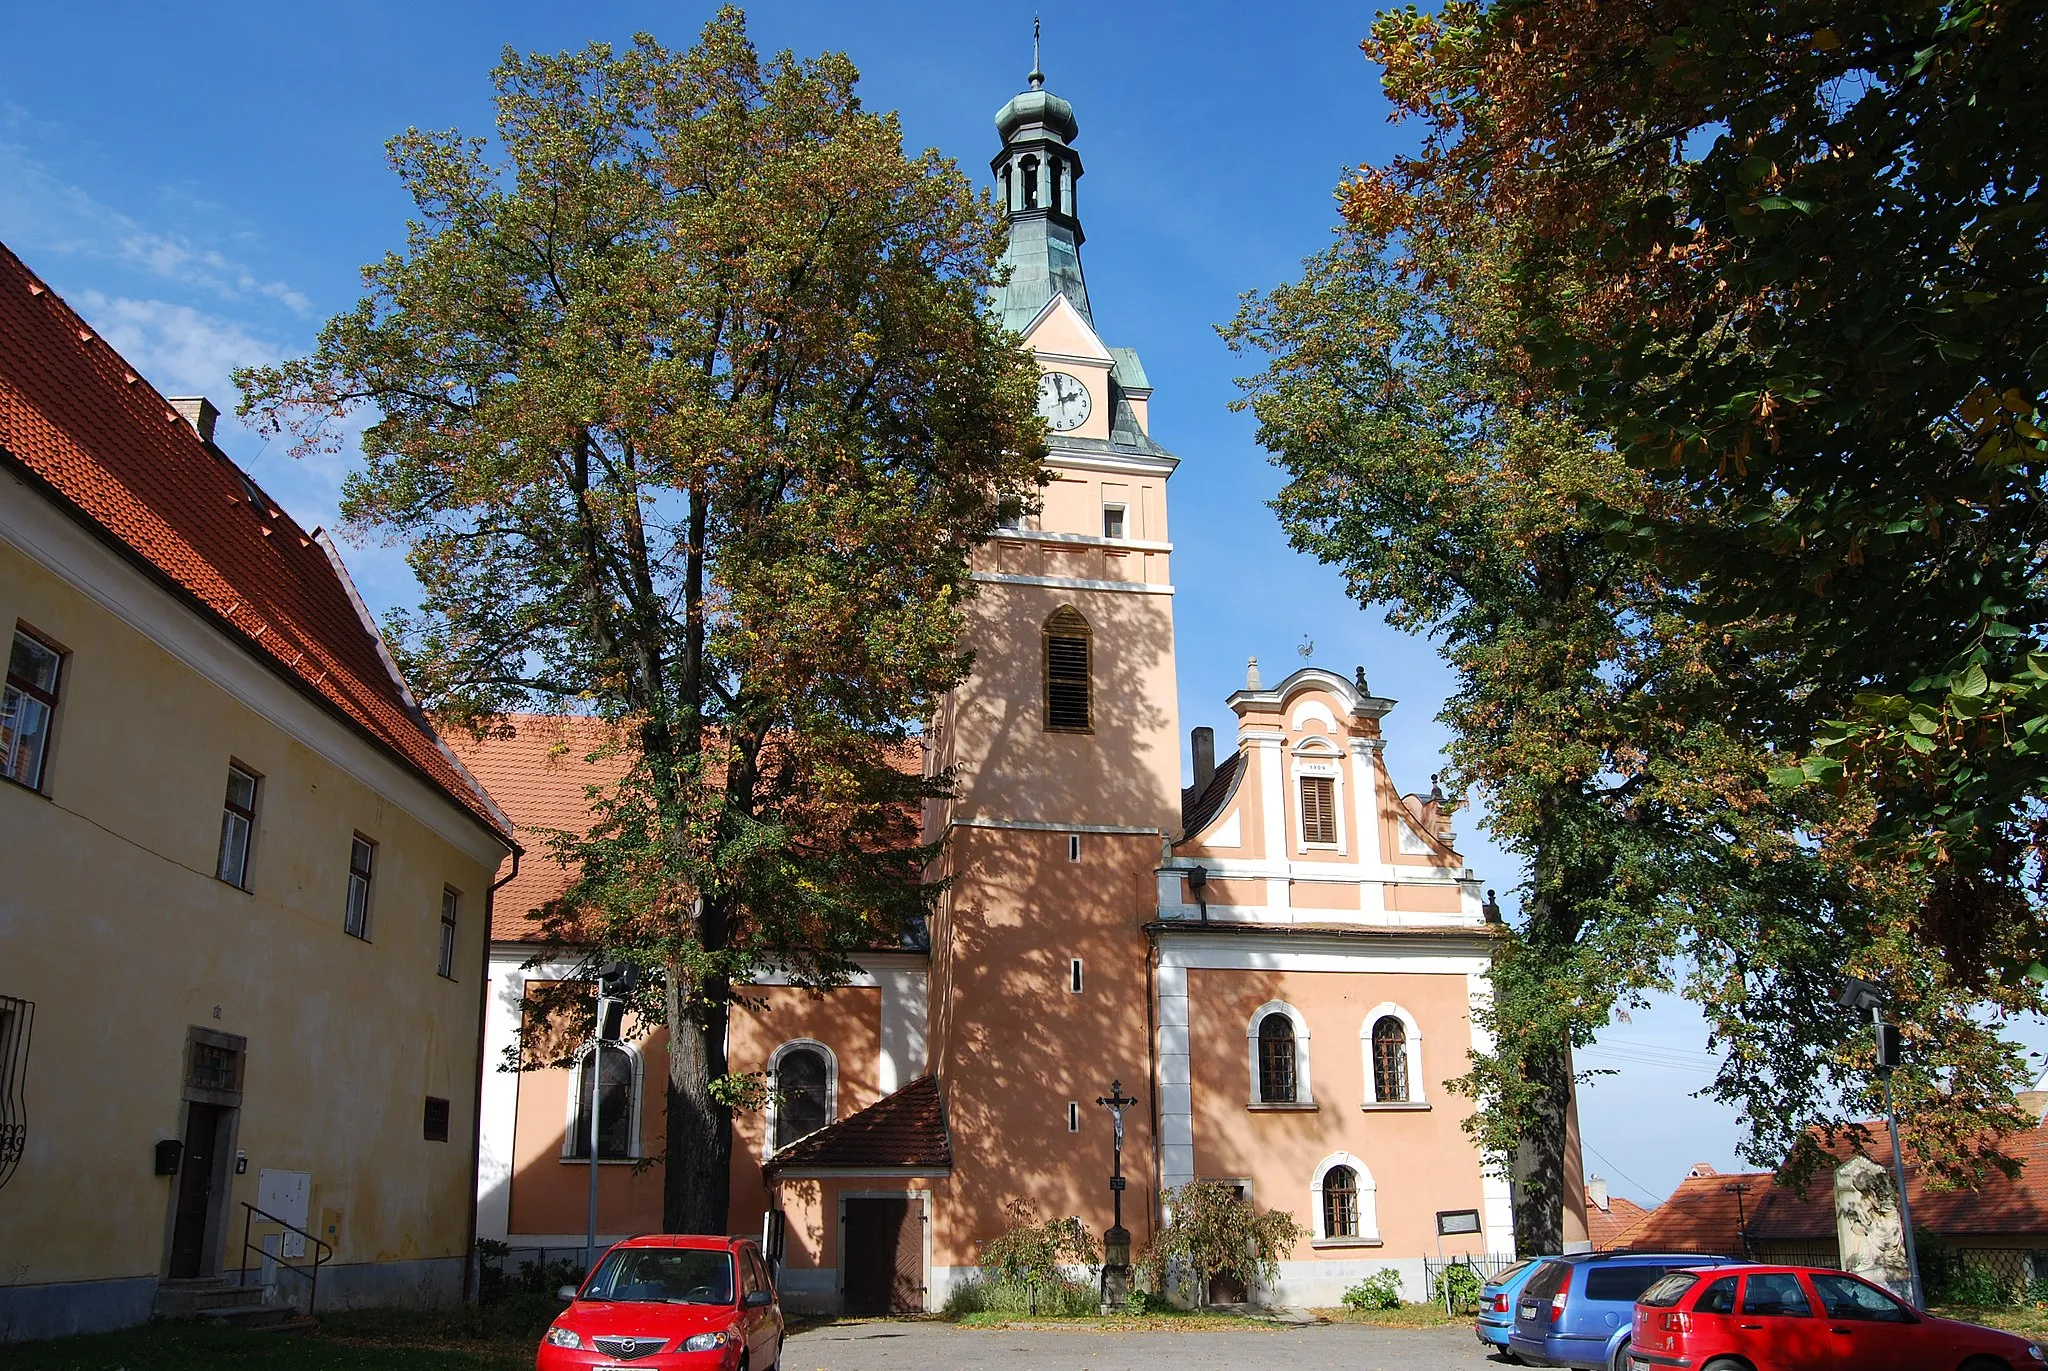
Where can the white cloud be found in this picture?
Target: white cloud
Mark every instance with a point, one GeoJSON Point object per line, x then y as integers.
{"type": "Point", "coordinates": [180, 350]}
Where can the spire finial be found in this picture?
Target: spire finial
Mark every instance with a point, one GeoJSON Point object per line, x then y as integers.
{"type": "Point", "coordinates": [1037, 76]}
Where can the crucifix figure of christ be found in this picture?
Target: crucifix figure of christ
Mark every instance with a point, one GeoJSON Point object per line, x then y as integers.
{"type": "Point", "coordinates": [1116, 1243]}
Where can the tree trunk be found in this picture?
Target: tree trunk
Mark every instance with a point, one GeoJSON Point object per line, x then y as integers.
{"type": "Point", "coordinates": [1541, 1155]}
{"type": "Point", "coordinates": [697, 1170]}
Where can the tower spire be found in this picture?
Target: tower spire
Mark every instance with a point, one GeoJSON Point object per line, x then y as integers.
{"type": "Point", "coordinates": [1037, 76]}
{"type": "Point", "coordinates": [1036, 175]}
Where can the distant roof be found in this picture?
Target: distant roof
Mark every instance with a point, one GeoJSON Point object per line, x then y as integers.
{"type": "Point", "coordinates": [91, 435]}
{"type": "Point", "coordinates": [1997, 1205]}
{"type": "Point", "coordinates": [1605, 1227]}
{"type": "Point", "coordinates": [906, 1129]}
{"type": "Point", "coordinates": [1702, 1215]}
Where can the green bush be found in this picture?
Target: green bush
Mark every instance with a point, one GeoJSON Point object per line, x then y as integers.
{"type": "Point", "coordinates": [1380, 1290]}
{"type": "Point", "coordinates": [1215, 1229]}
{"type": "Point", "coordinates": [1460, 1285]}
{"type": "Point", "coordinates": [986, 1293]}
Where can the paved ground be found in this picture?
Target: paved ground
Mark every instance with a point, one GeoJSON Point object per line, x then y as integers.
{"type": "Point", "coordinates": [940, 1347]}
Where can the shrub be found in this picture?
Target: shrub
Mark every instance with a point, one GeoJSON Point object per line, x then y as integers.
{"type": "Point", "coordinates": [1032, 1252]}
{"type": "Point", "coordinates": [1214, 1229]}
{"type": "Point", "coordinates": [984, 1293]}
{"type": "Point", "coordinates": [1380, 1290]}
{"type": "Point", "coordinates": [1459, 1284]}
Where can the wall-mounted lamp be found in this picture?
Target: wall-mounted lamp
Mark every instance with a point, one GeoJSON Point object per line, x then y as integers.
{"type": "Point", "coordinates": [1198, 881]}
{"type": "Point", "coordinates": [168, 1150]}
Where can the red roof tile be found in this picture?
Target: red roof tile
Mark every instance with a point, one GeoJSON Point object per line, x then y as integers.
{"type": "Point", "coordinates": [1996, 1206]}
{"type": "Point", "coordinates": [90, 434]}
{"type": "Point", "coordinates": [1702, 1215]}
{"type": "Point", "coordinates": [534, 766]}
{"type": "Point", "coordinates": [1605, 1227]}
{"type": "Point", "coordinates": [906, 1129]}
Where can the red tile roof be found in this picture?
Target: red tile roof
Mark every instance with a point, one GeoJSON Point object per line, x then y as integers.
{"type": "Point", "coordinates": [83, 428]}
{"type": "Point", "coordinates": [1702, 1215]}
{"type": "Point", "coordinates": [535, 766]}
{"type": "Point", "coordinates": [1605, 1227]}
{"type": "Point", "coordinates": [906, 1129]}
{"type": "Point", "coordinates": [1996, 1206]}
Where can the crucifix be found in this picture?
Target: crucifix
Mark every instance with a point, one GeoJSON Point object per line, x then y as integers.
{"type": "Point", "coordinates": [1116, 1243]}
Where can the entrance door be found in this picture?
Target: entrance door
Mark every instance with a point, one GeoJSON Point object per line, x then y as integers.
{"type": "Point", "coordinates": [195, 1190]}
{"type": "Point", "coordinates": [884, 1257]}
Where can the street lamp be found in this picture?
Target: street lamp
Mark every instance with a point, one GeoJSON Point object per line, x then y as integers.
{"type": "Point", "coordinates": [1860, 995]}
{"type": "Point", "coordinates": [1116, 1243]}
{"type": "Point", "coordinates": [614, 982]}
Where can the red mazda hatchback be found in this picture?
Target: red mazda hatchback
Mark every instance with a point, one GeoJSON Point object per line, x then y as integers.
{"type": "Point", "coordinates": [670, 1301]}
{"type": "Point", "coordinates": [1799, 1318]}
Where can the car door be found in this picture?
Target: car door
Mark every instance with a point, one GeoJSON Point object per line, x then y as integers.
{"type": "Point", "coordinates": [1775, 1324]}
{"type": "Point", "coordinates": [1867, 1326]}
{"type": "Point", "coordinates": [764, 1330]}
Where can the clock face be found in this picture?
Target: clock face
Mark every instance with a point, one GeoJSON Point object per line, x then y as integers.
{"type": "Point", "coordinates": [1062, 400]}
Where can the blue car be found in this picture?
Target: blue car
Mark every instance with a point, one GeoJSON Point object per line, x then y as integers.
{"type": "Point", "coordinates": [1580, 1311]}
{"type": "Point", "coordinates": [1497, 1303]}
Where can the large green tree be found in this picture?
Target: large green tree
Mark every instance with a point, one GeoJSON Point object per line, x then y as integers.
{"type": "Point", "coordinates": [690, 410]}
{"type": "Point", "coordinates": [1792, 256]}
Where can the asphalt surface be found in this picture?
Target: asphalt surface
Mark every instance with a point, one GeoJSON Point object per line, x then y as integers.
{"type": "Point", "coordinates": [941, 1347]}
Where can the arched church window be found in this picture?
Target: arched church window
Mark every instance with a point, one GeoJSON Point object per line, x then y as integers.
{"type": "Point", "coordinates": [1029, 166]}
{"type": "Point", "coordinates": [1390, 1060]}
{"type": "Point", "coordinates": [802, 1093]}
{"type": "Point", "coordinates": [612, 1083]}
{"type": "Point", "coordinates": [1009, 192]}
{"type": "Point", "coordinates": [1052, 181]}
{"type": "Point", "coordinates": [1276, 1060]}
{"type": "Point", "coordinates": [1069, 702]}
{"type": "Point", "coordinates": [1340, 1202]}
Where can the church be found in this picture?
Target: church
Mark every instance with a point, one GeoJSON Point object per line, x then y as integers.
{"type": "Point", "coordinates": [1277, 960]}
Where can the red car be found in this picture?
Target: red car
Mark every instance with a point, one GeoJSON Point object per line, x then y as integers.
{"type": "Point", "coordinates": [669, 1301]}
{"type": "Point", "coordinates": [1800, 1318]}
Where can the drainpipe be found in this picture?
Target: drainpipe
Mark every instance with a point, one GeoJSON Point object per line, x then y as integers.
{"type": "Point", "coordinates": [472, 1268]}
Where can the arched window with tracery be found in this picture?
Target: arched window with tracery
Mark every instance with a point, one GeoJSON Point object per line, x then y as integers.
{"type": "Point", "coordinates": [614, 1084]}
{"type": "Point", "coordinates": [803, 1092]}
{"type": "Point", "coordinates": [1390, 1060]}
{"type": "Point", "coordinates": [1340, 1202]}
{"type": "Point", "coordinates": [1069, 653]}
{"type": "Point", "coordinates": [1276, 1060]}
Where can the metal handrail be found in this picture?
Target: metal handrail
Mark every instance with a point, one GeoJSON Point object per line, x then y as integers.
{"type": "Point", "coordinates": [310, 1272]}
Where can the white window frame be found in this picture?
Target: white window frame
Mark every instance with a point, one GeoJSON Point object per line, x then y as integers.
{"type": "Point", "coordinates": [229, 813]}
{"type": "Point", "coordinates": [1122, 511]}
{"type": "Point", "coordinates": [1304, 1093]}
{"type": "Point", "coordinates": [1368, 1202]}
{"type": "Point", "coordinates": [634, 1093]}
{"type": "Point", "coordinates": [1411, 1048]}
{"type": "Point", "coordinates": [1073, 1116]}
{"type": "Point", "coordinates": [774, 1109]}
{"type": "Point", "coordinates": [1314, 757]}
{"type": "Point", "coordinates": [448, 933]}
{"type": "Point", "coordinates": [368, 876]}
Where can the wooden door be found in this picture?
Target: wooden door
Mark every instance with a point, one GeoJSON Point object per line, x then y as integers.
{"type": "Point", "coordinates": [884, 1257]}
{"type": "Point", "coordinates": [195, 1190]}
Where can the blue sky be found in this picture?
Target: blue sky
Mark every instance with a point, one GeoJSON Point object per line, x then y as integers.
{"type": "Point", "coordinates": [203, 182]}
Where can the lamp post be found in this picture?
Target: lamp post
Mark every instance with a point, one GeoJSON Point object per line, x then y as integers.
{"type": "Point", "coordinates": [614, 982]}
{"type": "Point", "coordinates": [1116, 1243]}
{"type": "Point", "coordinates": [1861, 994]}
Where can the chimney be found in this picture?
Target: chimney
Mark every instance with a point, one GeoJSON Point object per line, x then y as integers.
{"type": "Point", "coordinates": [1596, 1191]}
{"type": "Point", "coordinates": [199, 412]}
{"type": "Point", "coordinates": [1204, 746]}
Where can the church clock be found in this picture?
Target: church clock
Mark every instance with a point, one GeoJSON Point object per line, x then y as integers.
{"type": "Point", "coordinates": [1062, 401]}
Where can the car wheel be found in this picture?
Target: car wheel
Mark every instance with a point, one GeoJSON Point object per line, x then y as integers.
{"type": "Point", "coordinates": [1725, 1364]}
{"type": "Point", "coordinates": [1619, 1362]}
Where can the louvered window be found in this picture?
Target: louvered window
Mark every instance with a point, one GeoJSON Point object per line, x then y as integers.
{"type": "Point", "coordinates": [1319, 810]}
{"type": "Point", "coordinates": [1068, 706]}
{"type": "Point", "coordinates": [1276, 1060]}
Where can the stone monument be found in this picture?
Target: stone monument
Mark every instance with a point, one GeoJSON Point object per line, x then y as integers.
{"type": "Point", "coordinates": [1873, 1241]}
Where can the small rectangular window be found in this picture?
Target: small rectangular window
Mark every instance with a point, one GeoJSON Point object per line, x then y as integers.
{"type": "Point", "coordinates": [1073, 1116]}
{"type": "Point", "coordinates": [451, 903]}
{"type": "Point", "coordinates": [1074, 976]}
{"type": "Point", "coordinates": [237, 827]}
{"type": "Point", "coordinates": [436, 1122]}
{"type": "Point", "coordinates": [1112, 521]}
{"type": "Point", "coordinates": [362, 856]}
{"type": "Point", "coordinates": [1319, 810]}
{"type": "Point", "coordinates": [1073, 847]}
{"type": "Point", "coordinates": [28, 704]}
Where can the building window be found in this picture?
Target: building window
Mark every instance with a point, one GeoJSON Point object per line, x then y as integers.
{"type": "Point", "coordinates": [1276, 1060]}
{"type": "Point", "coordinates": [804, 1086]}
{"type": "Point", "coordinates": [1073, 1116]}
{"type": "Point", "coordinates": [451, 904]}
{"type": "Point", "coordinates": [1319, 811]}
{"type": "Point", "coordinates": [1390, 1060]}
{"type": "Point", "coordinates": [1068, 641]}
{"type": "Point", "coordinates": [362, 857]}
{"type": "Point", "coordinates": [1073, 847]}
{"type": "Point", "coordinates": [1112, 521]}
{"type": "Point", "coordinates": [435, 1125]}
{"type": "Point", "coordinates": [27, 706]}
{"type": "Point", "coordinates": [1074, 976]}
{"type": "Point", "coordinates": [237, 826]}
{"type": "Point", "coordinates": [16, 1018]}
{"type": "Point", "coordinates": [612, 1084]}
{"type": "Point", "coordinates": [1340, 1202]}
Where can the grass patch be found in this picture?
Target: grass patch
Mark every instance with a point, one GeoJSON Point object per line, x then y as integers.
{"type": "Point", "coordinates": [2027, 1320]}
{"type": "Point", "coordinates": [1405, 1316]}
{"type": "Point", "coordinates": [499, 1338]}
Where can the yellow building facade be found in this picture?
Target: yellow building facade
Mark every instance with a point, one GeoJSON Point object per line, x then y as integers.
{"type": "Point", "coordinates": [247, 893]}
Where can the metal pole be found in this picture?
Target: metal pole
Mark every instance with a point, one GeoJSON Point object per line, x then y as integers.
{"type": "Point", "coordinates": [590, 1080]}
{"type": "Point", "coordinates": [1891, 1116]}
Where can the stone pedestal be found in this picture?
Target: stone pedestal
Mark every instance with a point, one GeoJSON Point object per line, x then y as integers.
{"type": "Point", "coordinates": [1867, 1227]}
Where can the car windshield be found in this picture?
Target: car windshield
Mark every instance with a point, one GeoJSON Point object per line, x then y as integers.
{"type": "Point", "coordinates": [1513, 1271]}
{"type": "Point", "coordinates": [1669, 1291]}
{"type": "Point", "coordinates": [662, 1275]}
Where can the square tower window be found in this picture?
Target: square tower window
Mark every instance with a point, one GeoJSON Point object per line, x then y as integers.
{"type": "Point", "coordinates": [1113, 521]}
{"type": "Point", "coordinates": [1073, 1116]}
{"type": "Point", "coordinates": [1073, 847]}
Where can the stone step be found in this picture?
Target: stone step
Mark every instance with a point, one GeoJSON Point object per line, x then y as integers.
{"type": "Point", "coordinates": [271, 1318]}
{"type": "Point", "coordinates": [191, 1299]}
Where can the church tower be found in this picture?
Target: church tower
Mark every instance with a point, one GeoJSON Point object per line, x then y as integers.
{"type": "Point", "coordinates": [1064, 745]}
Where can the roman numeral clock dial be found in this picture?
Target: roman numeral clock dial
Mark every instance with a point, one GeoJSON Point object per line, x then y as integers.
{"type": "Point", "coordinates": [1062, 401]}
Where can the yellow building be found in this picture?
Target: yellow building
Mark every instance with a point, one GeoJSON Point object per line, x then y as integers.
{"type": "Point", "coordinates": [246, 893]}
